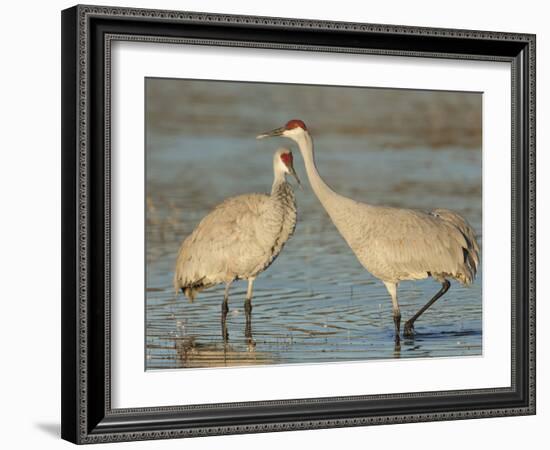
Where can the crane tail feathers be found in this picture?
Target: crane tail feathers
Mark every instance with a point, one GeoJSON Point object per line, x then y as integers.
{"type": "Point", "coordinates": [471, 251]}
{"type": "Point", "coordinates": [191, 292]}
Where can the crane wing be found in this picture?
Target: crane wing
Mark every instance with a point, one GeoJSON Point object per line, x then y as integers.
{"type": "Point", "coordinates": [409, 244]}
{"type": "Point", "coordinates": [223, 243]}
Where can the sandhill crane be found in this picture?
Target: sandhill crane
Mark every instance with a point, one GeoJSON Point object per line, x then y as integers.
{"type": "Point", "coordinates": [394, 244]}
{"type": "Point", "coordinates": [239, 239]}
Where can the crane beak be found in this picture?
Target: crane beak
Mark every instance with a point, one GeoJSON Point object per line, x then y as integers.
{"type": "Point", "coordinates": [275, 132]}
{"type": "Point", "coordinates": [295, 175]}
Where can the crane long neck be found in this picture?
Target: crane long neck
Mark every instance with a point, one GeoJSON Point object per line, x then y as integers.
{"type": "Point", "coordinates": [278, 181]}
{"type": "Point", "coordinates": [322, 190]}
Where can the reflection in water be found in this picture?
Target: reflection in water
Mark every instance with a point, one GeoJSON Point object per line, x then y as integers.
{"type": "Point", "coordinates": [316, 303]}
{"type": "Point", "coordinates": [397, 348]}
{"type": "Point", "coordinates": [192, 354]}
{"type": "Point", "coordinates": [250, 343]}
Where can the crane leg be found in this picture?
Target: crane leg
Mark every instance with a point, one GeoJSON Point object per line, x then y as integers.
{"type": "Point", "coordinates": [392, 289]}
{"type": "Point", "coordinates": [225, 310]}
{"type": "Point", "coordinates": [408, 329]}
{"type": "Point", "coordinates": [248, 309]}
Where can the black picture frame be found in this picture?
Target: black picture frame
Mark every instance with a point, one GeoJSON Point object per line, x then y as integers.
{"type": "Point", "coordinates": [87, 33]}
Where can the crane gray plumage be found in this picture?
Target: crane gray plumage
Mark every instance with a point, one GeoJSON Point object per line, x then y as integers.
{"type": "Point", "coordinates": [394, 244]}
{"type": "Point", "coordinates": [239, 238]}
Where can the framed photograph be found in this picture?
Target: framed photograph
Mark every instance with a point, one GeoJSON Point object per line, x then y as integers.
{"type": "Point", "coordinates": [279, 224]}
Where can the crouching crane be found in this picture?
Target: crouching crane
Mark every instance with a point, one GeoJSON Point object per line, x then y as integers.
{"type": "Point", "coordinates": [394, 244]}
{"type": "Point", "coordinates": [239, 239]}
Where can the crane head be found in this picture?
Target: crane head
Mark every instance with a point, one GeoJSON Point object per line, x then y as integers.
{"type": "Point", "coordinates": [292, 128]}
{"type": "Point", "coordinates": [283, 161]}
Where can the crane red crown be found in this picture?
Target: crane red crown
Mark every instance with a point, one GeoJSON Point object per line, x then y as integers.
{"type": "Point", "coordinates": [295, 123]}
{"type": "Point", "coordinates": [287, 159]}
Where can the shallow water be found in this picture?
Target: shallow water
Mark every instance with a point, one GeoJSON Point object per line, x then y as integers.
{"type": "Point", "coordinates": [316, 302]}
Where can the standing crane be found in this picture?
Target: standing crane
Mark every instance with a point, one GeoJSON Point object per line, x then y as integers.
{"type": "Point", "coordinates": [239, 239]}
{"type": "Point", "coordinates": [394, 244]}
